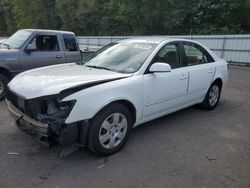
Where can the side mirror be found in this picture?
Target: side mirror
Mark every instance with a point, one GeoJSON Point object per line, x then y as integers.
{"type": "Point", "coordinates": [31, 47]}
{"type": "Point", "coordinates": [160, 67]}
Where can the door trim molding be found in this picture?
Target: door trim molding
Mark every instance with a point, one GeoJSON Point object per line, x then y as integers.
{"type": "Point", "coordinates": [174, 97]}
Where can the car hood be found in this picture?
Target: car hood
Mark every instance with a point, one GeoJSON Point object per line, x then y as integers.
{"type": "Point", "coordinates": [54, 79]}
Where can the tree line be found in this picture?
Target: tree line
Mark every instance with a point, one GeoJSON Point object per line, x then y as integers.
{"type": "Point", "coordinates": [127, 17]}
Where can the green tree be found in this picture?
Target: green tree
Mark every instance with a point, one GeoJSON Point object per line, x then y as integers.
{"type": "Point", "coordinates": [113, 19]}
{"type": "Point", "coordinates": [8, 21]}
{"type": "Point", "coordinates": [218, 16]}
{"type": "Point", "coordinates": [206, 17]}
{"type": "Point", "coordinates": [127, 17]}
{"type": "Point", "coordinates": [2, 21]}
{"type": "Point", "coordinates": [243, 15]}
{"type": "Point", "coordinates": [36, 14]}
{"type": "Point", "coordinates": [89, 17]}
{"type": "Point", "coordinates": [67, 12]}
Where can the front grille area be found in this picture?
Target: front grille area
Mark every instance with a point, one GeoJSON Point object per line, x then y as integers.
{"type": "Point", "coordinates": [18, 102]}
{"type": "Point", "coordinates": [29, 107]}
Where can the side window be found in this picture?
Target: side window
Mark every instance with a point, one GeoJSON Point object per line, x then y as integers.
{"type": "Point", "coordinates": [194, 55]}
{"type": "Point", "coordinates": [70, 42]}
{"type": "Point", "coordinates": [169, 54]}
{"type": "Point", "coordinates": [45, 43]}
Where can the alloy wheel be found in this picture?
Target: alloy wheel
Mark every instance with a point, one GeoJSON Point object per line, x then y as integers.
{"type": "Point", "coordinates": [113, 130]}
{"type": "Point", "coordinates": [214, 95]}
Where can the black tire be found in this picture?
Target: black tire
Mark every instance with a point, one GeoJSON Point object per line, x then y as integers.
{"type": "Point", "coordinates": [207, 104]}
{"type": "Point", "coordinates": [94, 143]}
{"type": "Point", "coordinates": [4, 81]}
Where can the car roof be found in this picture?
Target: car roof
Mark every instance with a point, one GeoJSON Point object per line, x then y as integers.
{"type": "Point", "coordinates": [156, 40]}
{"type": "Point", "coordinates": [47, 30]}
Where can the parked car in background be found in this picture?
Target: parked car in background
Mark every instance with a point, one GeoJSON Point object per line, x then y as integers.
{"type": "Point", "coordinates": [97, 102]}
{"type": "Point", "coordinates": [32, 48]}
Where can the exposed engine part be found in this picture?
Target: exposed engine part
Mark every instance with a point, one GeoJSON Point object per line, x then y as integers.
{"type": "Point", "coordinates": [51, 111]}
{"type": "Point", "coordinates": [51, 107]}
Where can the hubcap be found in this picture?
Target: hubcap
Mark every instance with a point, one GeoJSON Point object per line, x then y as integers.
{"type": "Point", "coordinates": [214, 95]}
{"type": "Point", "coordinates": [1, 87]}
{"type": "Point", "coordinates": [113, 130]}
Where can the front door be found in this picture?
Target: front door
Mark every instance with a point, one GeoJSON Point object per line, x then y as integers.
{"type": "Point", "coordinates": [165, 91]}
{"type": "Point", "coordinates": [47, 52]}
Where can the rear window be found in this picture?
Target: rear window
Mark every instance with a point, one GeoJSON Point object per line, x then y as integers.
{"type": "Point", "coordinates": [70, 42]}
{"type": "Point", "coordinates": [196, 54]}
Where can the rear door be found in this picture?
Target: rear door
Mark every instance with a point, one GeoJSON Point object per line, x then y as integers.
{"type": "Point", "coordinates": [71, 48]}
{"type": "Point", "coordinates": [48, 52]}
{"type": "Point", "coordinates": [201, 68]}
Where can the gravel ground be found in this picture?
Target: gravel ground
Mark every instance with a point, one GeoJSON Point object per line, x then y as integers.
{"type": "Point", "coordinates": [190, 148]}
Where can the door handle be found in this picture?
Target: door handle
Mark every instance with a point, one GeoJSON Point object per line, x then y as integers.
{"type": "Point", "coordinates": [59, 57]}
{"type": "Point", "coordinates": [184, 77]}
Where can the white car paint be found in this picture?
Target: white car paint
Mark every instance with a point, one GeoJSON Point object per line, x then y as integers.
{"type": "Point", "coordinates": [53, 79]}
{"type": "Point", "coordinates": [151, 98]}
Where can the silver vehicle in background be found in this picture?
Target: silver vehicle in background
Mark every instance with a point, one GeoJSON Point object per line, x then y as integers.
{"type": "Point", "coordinates": [31, 48]}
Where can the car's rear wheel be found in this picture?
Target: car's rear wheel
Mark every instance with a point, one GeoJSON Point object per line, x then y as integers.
{"type": "Point", "coordinates": [212, 97]}
{"type": "Point", "coordinates": [109, 129]}
{"type": "Point", "coordinates": [3, 86]}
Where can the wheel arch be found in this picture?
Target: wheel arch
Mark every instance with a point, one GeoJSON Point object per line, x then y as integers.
{"type": "Point", "coordinates": [219, 81]}
{"type": "Point", "coordinates": [129, 105]}
{"type": "Point", "coordinates": [85, 129]}
{"type": "Point", "coordinates": [5, 72]}
{"type": "Point", "coordinates": [205, 104]}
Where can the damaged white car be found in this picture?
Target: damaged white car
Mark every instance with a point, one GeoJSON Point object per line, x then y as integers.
{"type": "Point", "coordinates": [98, 101]}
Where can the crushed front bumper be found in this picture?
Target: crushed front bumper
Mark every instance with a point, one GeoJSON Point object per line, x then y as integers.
{"type": "Point", "coordinates": [30, 126]}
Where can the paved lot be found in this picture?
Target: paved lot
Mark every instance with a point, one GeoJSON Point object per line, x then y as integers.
{"type": "Point", "coordinates": [191, 148]}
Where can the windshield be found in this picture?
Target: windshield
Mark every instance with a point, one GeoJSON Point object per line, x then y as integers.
{"type": "Point", "coordinates": [125, 57]}
{"type": "Point", "coordinates": [17, 39]}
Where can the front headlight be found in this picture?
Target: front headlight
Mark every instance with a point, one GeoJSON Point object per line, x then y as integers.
{"type": "Point", "coordinates": [59, 108]}
{"type": "Point", "coordinates": [55, 111]}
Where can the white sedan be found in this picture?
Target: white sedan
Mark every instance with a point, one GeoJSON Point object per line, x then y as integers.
{"type": "Point", "coordinates": [97, 102]}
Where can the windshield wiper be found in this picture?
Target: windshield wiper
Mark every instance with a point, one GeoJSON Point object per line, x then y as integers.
{"type": "Point", "coordinates": [97, 67]}
{"type": "Point", "coordinates": [4, 44]}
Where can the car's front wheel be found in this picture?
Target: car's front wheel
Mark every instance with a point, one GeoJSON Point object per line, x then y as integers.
{"type": "Point", "coordinates": [212, 97]}
{"type": "Point", "coordinates": [109, 129]}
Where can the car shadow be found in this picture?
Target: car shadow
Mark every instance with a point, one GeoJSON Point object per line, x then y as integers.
{"type": "Point", "coordinates": [160, 124]}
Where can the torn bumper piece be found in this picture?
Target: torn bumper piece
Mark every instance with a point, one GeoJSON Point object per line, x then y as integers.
{"type": "Point", "coordinates": [30, 126]}
{"type": "Point", "coordinates": [64, 134]}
